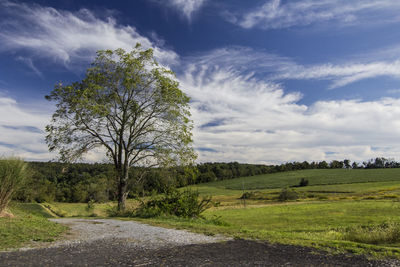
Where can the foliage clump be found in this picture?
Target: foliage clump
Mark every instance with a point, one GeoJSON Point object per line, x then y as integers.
{"type": "Point", "coordinates": [384, 233]}
{"type": "Point", "coordinates": [288, 194]}
{"type": "Point", "coordinates": [176, 203]}
{"type": "Point", "coordinates": [303, 182]}
{"type": "Point", "coordinates": [12, 173]}
{"type": "Point", "coordinates": [247, 195]}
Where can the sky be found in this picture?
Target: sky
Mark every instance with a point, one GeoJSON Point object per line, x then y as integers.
{"type": "Point", "coordinates": [270, 81]}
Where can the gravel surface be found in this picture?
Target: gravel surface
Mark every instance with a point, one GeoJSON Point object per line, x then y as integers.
{"type": "Point", "coordinates": [133, 233]}
{"type": "Point", "coordinates": [128, 243]}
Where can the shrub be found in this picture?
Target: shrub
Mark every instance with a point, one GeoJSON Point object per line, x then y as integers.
{"type": "Point", "coordinates": [90, 206]}
{"type": "Point", "coordinates": [12, 173]}
{"type": "Point", "coordinates": [176, 203]}
{"type": "Point", "coordinates": [288, 194]}
{"type": "Point", "coordinates": [247, 195]}
{"type": "Point", "coordinates": [384, 233]}
{"type": "Point", "coordinates": [115, 212]}
{"type": "Point", "coordinates": [303, 182]}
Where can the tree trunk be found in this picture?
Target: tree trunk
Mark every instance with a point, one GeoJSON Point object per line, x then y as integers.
{"type": "Point", "coordinates": [121, 195]}
{"type": "Point", "coordinates": [122, 187]}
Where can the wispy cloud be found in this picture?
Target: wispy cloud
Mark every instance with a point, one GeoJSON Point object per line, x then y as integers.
{"type": "Point", "coordinates": [22, 131]}
{"type": "Point", "coordinates": [394, 91]}
{"type": "Point", "coordinates": [275, 68]}
{"type": "Point", "coordinates": [341, 74]}
{"type": "Point", "coordinates": [274, 14]}
{"type": "Point", "coordinates": [30, 64]}
{"type": "Point", "coordinates": [64, 36]}
{"type": "Point", "coordinates": [240, 115]}
{"type": "Point", "coordinates": [186, 7]}
{"type": "Point", "coordinates": [240, 107]}
{"type": "Point", "coordinates": [243, 115]}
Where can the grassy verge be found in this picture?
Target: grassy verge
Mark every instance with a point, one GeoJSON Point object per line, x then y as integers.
{"type": "Point", "coordinates": [322, 225]}
{"type": "Point", "coordinates": [29, 224]}
{"type": "Point", "coordinates": [79, 209]}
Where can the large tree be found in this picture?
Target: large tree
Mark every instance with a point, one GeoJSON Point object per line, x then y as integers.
{"type": "Point", "coordinates": [131, 107]}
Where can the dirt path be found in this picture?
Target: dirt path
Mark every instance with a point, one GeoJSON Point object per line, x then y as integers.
{"type": "Point", "coordinates": [127, 243]}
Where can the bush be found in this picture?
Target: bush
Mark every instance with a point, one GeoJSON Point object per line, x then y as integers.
{"type": "Point", "coordinates": [247, 195]}
{"type": "Point", "coordinates": [288, 194]}
{"type": "Point", "coordinates": [90, 206]}
{"type": "Point", "coordinates": [12, 173]}
{"type": "Point", "coordinates": [303, 182]}
{"type": "Point", "coordinates": [384, 233]}
{"type": "Point", "coordinates": [176, 203]}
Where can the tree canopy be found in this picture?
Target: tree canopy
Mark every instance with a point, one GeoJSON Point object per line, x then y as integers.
{"type": "Point", "coordinates": [131, 107]}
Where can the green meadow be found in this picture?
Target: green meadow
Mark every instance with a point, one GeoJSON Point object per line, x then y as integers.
{"type": "Point", "coordinates": [339, 210]}
{"type": "Point", "coordinates": [315, 177]}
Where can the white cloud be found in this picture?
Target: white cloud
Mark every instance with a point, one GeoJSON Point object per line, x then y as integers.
{"type": "Point", "coordinates": [275, 68]}
{"type": "Point", "coordinates": [274, 14]}
{"type": "Point", "coordinates": [30, 64]}
{"type": "Point", "coordinates": [341, 74]}
{"type": "Point", "coordinates": [241, 112]}
{"type": "Point", "coordinates": [22, 131]}
{"type": "Point", "coordinates": [393, 91]}
{"type": "Point", "coordinates": [67, 37]}
{"type": "Point", "coordinates": [187, 7]}
{"type": "Point", "coordinates": [241, 118]}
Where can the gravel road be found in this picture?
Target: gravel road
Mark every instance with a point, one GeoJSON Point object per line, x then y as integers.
{"type": "Point", "coordinates": [128, 243]}
{"type": "Point", "coordinates": [133, 233]}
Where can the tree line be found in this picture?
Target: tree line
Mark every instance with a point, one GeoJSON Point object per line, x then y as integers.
{"type": "Point", "coordinates": [81, 182]}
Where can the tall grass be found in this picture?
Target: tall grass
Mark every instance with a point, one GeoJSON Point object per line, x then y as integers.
{"type": "Point", "coordinates": [12, 173]}
{"type": "Point", "coordinates": [384, 233]}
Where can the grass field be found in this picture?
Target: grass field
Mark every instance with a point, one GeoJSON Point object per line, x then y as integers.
{"type": "Point", "coordinates": [322, 225]}
{"type": "Point", "coordinates": [341, 210]}
{"type": "Point", "coordinates": [328, 210]}
{"type": "Point", "coordinates": [327, 184]}
{"type": "Point", "coordinates": [28, 224]}
{"type": "Point", "coordinates": [315, 177]}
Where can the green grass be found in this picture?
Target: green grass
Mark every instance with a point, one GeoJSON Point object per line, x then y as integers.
{"type": "Point", "coordinates": [341, 210]}
{"type": "Point", "coordinates": [321, 225]}
{"type": "Point", "coordinates": [79, 209]}
{"type": "Point", "coordinates": [29, 224]}
{"type": "Point", "coordinates": [329, 214]}
{"type": "Point", "coordinates": [315, 177]}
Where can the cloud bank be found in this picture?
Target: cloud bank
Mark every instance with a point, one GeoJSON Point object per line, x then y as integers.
{"type": "Point", "coordinates": [239, 105]}
{"type": "Point", "coordinates": [239, 117]}
{"type": "Point", "coordinates": [22, 131]}
{"type": "Point", "coordinates": [67, 37]}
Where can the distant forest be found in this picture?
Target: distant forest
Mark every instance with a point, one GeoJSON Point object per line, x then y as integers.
{"type": "Point", "coordinates": [81, 182]}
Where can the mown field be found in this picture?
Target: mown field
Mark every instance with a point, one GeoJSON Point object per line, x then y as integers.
{"type": "Point", "coordinates": [330, 184]}
{"type": "Point", "coordinates": [315, 177]}
{"type": "Point", "coordinates": [340, 210]}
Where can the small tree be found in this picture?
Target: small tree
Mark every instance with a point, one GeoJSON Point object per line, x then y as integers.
{"type": "Point", "coordinates": [346, 163]}
{"type": "Point", "coordinates": [12, 173]}
{"type": "Point", "coordinates": [130, 106]}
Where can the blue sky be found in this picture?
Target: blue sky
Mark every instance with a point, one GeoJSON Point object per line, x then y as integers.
{"type": "Point", "coordinates": [270, 81]}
